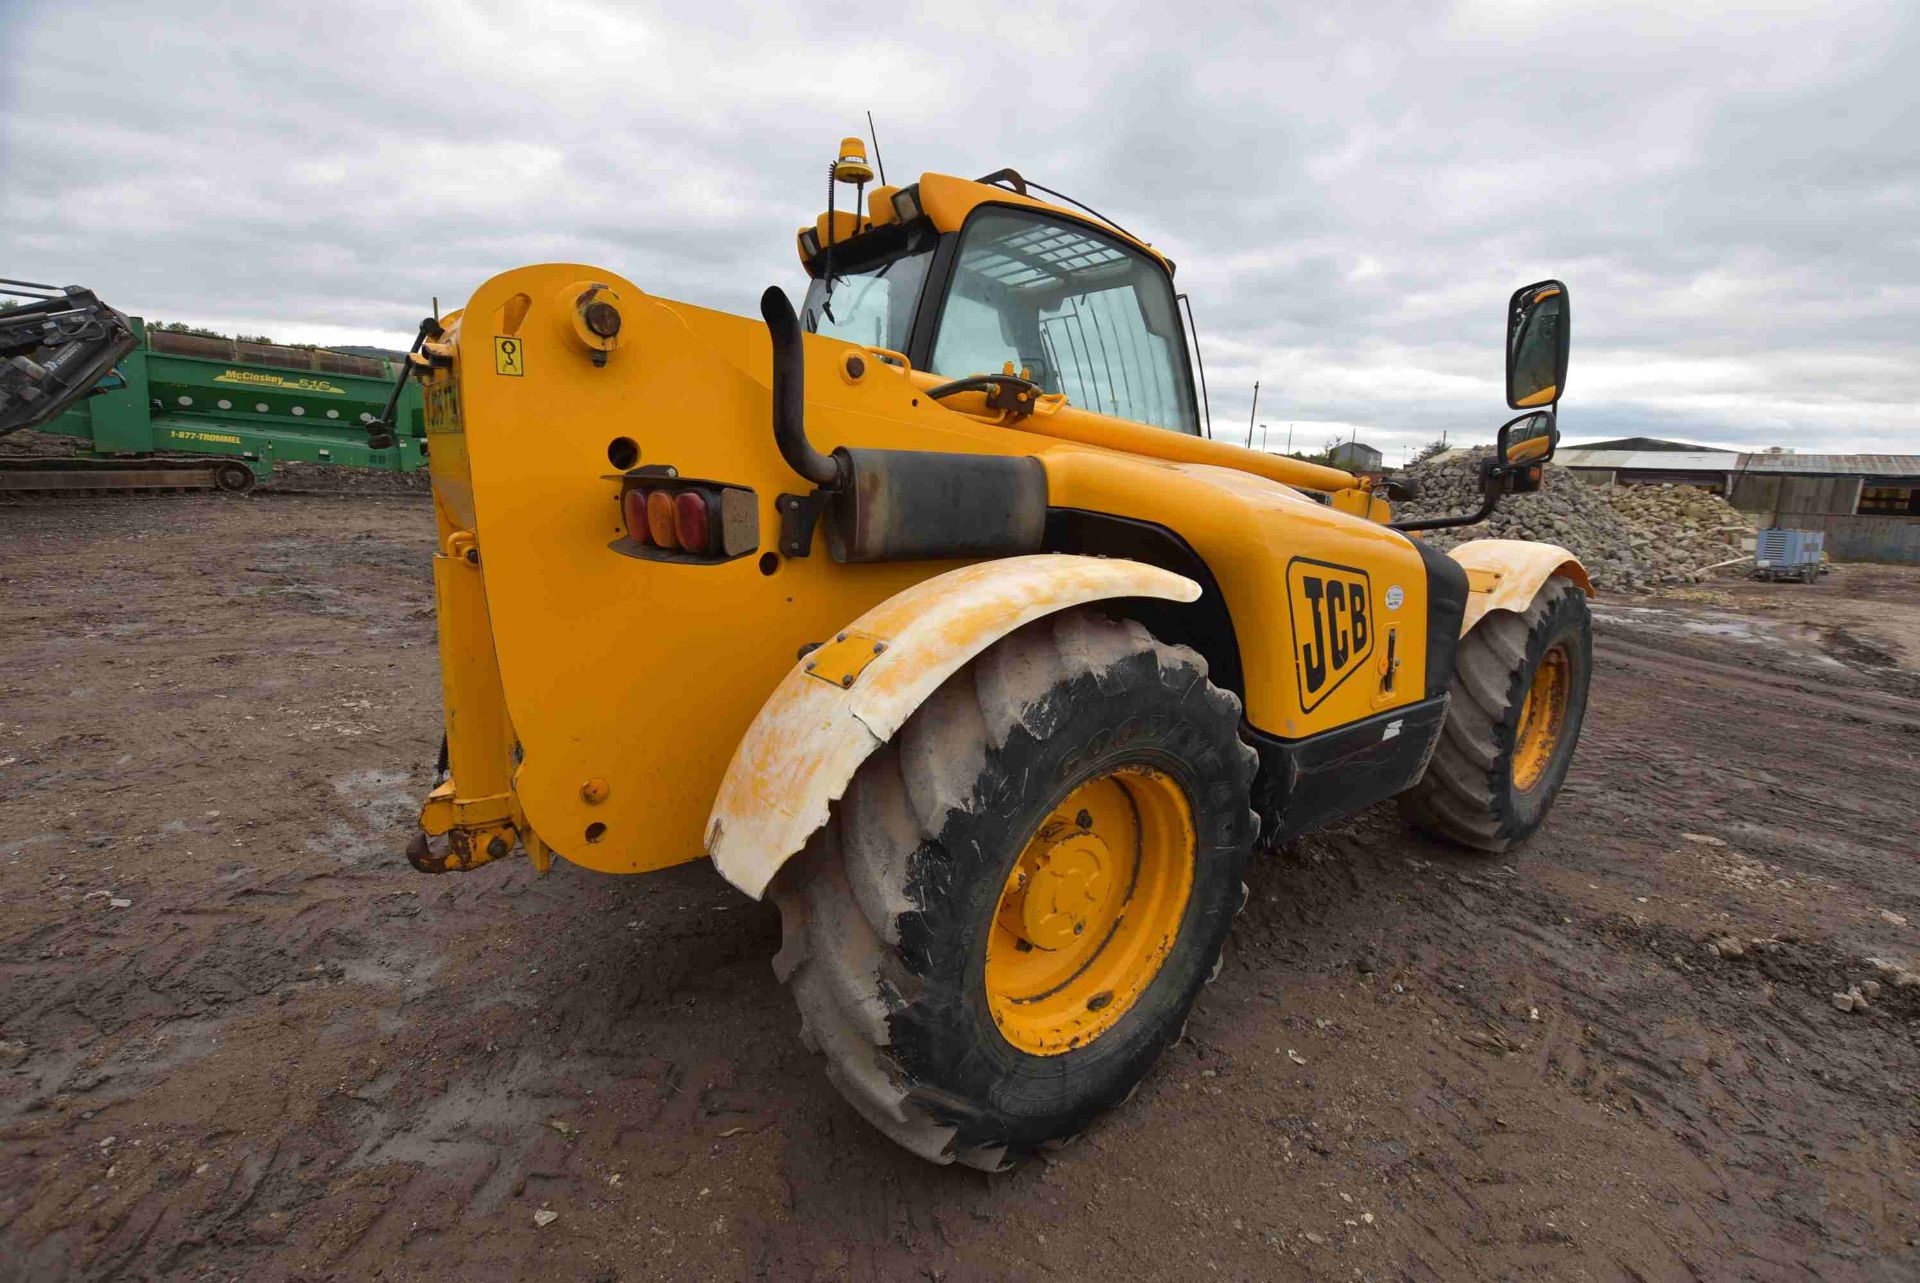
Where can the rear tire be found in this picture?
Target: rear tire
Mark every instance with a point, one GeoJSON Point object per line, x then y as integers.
{"type": "Point", "coordinates": [234, 478]}
{"type": "Point", "coordinates": [1517, 701]}
{"type": "Point", "coordinates": [906, 920]}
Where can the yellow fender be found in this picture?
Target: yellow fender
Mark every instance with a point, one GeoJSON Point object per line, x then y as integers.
{"type": "Point", "coordinates": [1504, 574]}
{"type": "Point", "coordinates": [844, 700]}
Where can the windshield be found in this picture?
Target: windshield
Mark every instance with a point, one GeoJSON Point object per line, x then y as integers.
{"type": "Point", "coordinates": [1077, 311]}
{"type": "Point", "coordinates": [872, 307]}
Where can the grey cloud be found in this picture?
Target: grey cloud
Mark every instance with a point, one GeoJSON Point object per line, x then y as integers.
{"type": "Point", "coordinates": [1350, 194]}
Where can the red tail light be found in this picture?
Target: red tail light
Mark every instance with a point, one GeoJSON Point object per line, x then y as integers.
{"type": "Point", "coordinates": [690, 520]}
{"type": "Point", "coordinates": [634, 508]}
{"type": "Point", "coordinates": [686, 520]}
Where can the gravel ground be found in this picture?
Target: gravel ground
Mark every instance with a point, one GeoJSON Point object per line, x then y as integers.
{"type": "Point", "coordinates": [240, 1038]}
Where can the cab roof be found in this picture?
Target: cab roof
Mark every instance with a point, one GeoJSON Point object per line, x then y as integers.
{"type": "Point", "coordinates": [946, 202]}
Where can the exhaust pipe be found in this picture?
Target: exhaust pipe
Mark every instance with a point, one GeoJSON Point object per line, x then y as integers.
{"type": "Point", "coordinates": [899, 505]}
{"type": "Point", "coordinates": [789, 393]}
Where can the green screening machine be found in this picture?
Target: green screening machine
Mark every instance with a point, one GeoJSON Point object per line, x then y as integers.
{"type": "Point", "coordinates": [161, 410]}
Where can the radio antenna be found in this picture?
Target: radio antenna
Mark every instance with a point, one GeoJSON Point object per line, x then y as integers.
{"type": "Point", "coordinates": [881, 164]}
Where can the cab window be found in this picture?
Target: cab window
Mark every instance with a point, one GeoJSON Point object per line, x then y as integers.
{"type": "Point", "coordinates": [872, 305]}
{"type": "Point", "coordinates": [1080, 312]}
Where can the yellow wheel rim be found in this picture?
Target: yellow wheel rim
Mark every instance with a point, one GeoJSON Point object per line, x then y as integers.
{"type": "Point", "coordinates": [1543, 718]}
{"type": "Point", "coordinates": [1091, 910]}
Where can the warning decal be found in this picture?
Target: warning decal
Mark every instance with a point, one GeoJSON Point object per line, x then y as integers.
{"type": "Point", "coordinates": [507, 356]}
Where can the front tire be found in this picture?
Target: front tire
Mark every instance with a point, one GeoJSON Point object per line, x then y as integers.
{"type": "Point", "coordinates": [1517, 702]}
{"type": "Point", "coordinates": [1010, 913]}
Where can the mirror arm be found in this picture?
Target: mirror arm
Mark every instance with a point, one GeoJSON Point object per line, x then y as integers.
{"type": "Point", "coordinates": [1443, 523]}
{"type": "Point", "coordinates": [1492, 474]}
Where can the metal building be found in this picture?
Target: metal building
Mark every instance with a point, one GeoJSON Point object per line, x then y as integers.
{"type": "Point", "coordinates": [1867, 504]}
{"type": "Point", "coordinates": [1355, 456]}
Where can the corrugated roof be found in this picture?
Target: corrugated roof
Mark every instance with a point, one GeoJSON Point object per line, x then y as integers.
{"type": "Point", "coordinates": [1834, 465]}
{"type": "Point", "coordinates": [1845, 465]}
{"type": "Point", "coordinates": [1651, 460]}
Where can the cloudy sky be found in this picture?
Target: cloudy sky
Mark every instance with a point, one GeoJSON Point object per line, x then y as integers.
{"type": "Point", "coordinates": [1732, 192]}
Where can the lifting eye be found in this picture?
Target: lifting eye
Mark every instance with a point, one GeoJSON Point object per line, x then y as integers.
{"type": "Point", "coordinates": [602, 318]}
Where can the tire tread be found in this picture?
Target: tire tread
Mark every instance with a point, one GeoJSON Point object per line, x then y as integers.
{"type": "Point", "coordinates": [841, 901]}
{"type": "Point", "coordinates": [1461, 797]}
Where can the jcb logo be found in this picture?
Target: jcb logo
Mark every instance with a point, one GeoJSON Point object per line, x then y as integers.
{"type": "Point", "coordinates": [1332, 625]}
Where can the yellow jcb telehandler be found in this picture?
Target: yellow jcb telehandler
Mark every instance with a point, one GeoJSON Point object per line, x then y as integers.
{"type": "Point", "coordinates": [930, 611]}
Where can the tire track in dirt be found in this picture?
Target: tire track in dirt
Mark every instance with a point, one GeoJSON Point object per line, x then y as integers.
{"type": "Point", "coordinates": [1518, 1065]}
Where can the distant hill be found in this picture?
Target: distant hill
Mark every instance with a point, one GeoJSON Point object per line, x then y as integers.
{"type": "Point", "coordinates": [1632, 443]}
{"type": "Point", "coordinates": [361, 349]}
{"type": "Point", "coordinates": [350, 349]}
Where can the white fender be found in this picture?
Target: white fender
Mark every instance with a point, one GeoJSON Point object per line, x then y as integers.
{"type": "Point", "coordinates": [846, 699]}
{"type": "Point", "coordinates": [1504, 574]}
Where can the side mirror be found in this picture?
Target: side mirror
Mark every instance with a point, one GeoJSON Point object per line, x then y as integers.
{"type": "Point", "coordinates": [1525, 443]}
{"type": "Point", "coordinates": [1538, 333]}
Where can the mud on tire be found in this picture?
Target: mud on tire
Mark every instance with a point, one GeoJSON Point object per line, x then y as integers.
{"type": "Point", "coordinates": [1470, 794]}
{"type": "Point", "coordinates": [887, 913]}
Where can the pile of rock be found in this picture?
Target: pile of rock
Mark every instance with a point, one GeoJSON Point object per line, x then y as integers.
{"type": "Point", "coordinates": [1862, 996]}
{"type": "Point", "coordinates": [1698, 524]}
{"type": "Point", "coordinates": [1630, 538]}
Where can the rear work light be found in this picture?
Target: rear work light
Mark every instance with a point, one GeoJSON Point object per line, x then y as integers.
{"type": "Point", "coordinates": [906, 203]}
{"type": "Point", "coordinates": [671, 518]}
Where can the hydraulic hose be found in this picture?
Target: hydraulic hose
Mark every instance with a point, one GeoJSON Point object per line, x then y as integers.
{"type": "Point", "coordinates": [789, 392]}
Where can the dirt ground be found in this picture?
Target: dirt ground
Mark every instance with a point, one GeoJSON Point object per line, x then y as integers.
{"type": "Point", "coordinates": [241, 1039]}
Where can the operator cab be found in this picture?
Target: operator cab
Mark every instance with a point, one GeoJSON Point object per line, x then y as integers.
{"type": "Point", "coordinates": [997, 292]}
{"type": "Point", "coordinates": [976, 278]}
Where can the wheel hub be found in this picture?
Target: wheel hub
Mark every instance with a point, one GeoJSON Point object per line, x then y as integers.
{"type": "Point", "coordinates": [1090, 909]}
{"type": "Point", "coordinates": [1060, 895]}
{"type": "Point", "coordinates": [1536, 733]}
